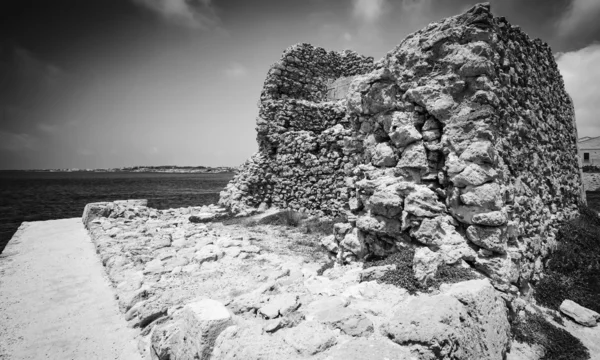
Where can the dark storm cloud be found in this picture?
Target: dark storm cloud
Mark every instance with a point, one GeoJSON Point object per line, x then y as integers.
{"type": "Point", "coordinates": [99, 83]}
{"type": "Point", "coordinates": [580, 25]}
{"type": "Point", "coordinates": [193, 13]}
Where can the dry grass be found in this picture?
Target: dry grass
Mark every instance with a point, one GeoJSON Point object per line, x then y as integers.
{"type": "Point", "coordinates": [593, 200]}
{"type": "Point", "coordinates": [558, 344]}
{"type": "Point", "coordinates": [572, 270]}
{"type": "Point", "coordinates": [404, 275]}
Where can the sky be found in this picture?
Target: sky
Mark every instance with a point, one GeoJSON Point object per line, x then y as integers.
{"type": "Point", "coordinates": [113, 83]}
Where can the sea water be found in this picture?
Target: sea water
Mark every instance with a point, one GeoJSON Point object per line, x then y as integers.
{"type": "Point", "coordinates": [34, 196]}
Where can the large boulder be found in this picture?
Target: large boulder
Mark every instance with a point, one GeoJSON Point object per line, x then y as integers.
{"type": "Point", "coordinates": [310, 338]}
{"type": "Point", "coordinates": [580, 314]}
{"type": "Point", "coordinates": [249, 341]}
{"type": "Point", "coordinates": [93, 211]}
{"type": "Point", "coordinates": [192, 336]}
{"type": "Point", "coordinates": [467, 321]}
{"type": "Point", "coordinates": [488, 310]}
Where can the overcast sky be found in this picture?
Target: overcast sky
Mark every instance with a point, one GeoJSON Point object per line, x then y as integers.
{"type": "Point", "coordinates": [111, 83]}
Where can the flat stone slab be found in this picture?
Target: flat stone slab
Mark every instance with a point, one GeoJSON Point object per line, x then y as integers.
{"type": "Point", "coordinates": [55, 301]}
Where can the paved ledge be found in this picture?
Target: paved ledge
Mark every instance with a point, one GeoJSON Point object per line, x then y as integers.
{"type": "Point", "coordinates": [55, 301]}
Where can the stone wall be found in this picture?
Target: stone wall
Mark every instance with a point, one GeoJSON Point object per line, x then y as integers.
{"type": "Point", "coordinates": [302, 129]}
{"type": "Point", "coordinates": [461, 142]}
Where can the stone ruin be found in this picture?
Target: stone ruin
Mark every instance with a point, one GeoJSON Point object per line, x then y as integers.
{"type": "Point", "coordinates": [460, 142]}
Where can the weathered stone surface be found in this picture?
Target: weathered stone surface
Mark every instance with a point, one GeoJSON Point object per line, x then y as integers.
{"type": "Point", "coordinates": [128, 300]}
{"type": "Point", "coordinates": [488, 310]}
{"type": "Point", "coordinates": [323, 304]}
{"type": "Point", "coordinates": [310, 338]}
{"type": "Point", "coordinates": [161, 242]}
{"type": "Point", "coordinates": [501, 268]}
{"type": "Point", "coordinates": [93, 211]}
{"type": "Point", "coordinates": [437, 231]}
{"type": "Point", "coordinates": [319, 285]}
{"type": "Point", "coordinates": [166, 341]}
{"type": "Point", "coordinates": [329, 243]}
{"type": "Point", "coordinates": [490, 238]}
{"type": "Point", "coordinates": [145, 312]}
{"type": "Point", "coordinates": [438, 326]}
{"type": "Point", "coordinates": [279, 305]}
{"type": "Point", "coordinates": [474, 175]}
{"type": "Point", "coordinates": [288, 321]}
{"type": "Point", "coordinates": [480, 152]}
{"type": "Point", "coordinates": [386, 203]}
{"type": "Point", "coordinates": [208, 253]}
{"type": "Point", "coordinates": [384, 156]}
{"type": "Point", "coordinates": [349, 321]}
{"type": "Point", "coordinates": [494, 218]}
{"type": "Point", "coordinates": [201, 324]}
{"type": "Point", "coordinates": [402, 129]}
{"type": "Point", "coordinates": [202, 218]}
{"type": "Point", "coordinates": [423, 202]}
{"type": "Point", "coordinates": [247, 341]}
{"type": "Point", "coordinates": [371, 349]}
{"type": "Point", "coordinates": [155, 266]}
{"type": "Point", "coordinates": [414, 156]}
{"type": "Point", "coordinates": [378, 225]}
{"type": "Point", "coordinates": [467, 321]}
{"type": "Point", "coordinates": [580, 314]}
{"type": "Point", "coordinates": [425, 263]}
{"type": "Point", "coordinates": [487, 196]}
{"type": "Point", "coordinates": [117, 208]}
{"type": "Point", "coordinates": [354, 243]}
{"type": "Point", "coordinates": [375, 272]}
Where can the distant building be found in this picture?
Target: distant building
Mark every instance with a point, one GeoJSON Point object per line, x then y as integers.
{"type": "Point", "coordinates": [589, 150]}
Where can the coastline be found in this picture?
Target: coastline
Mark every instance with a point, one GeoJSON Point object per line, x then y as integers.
{"type": "Point", "coordinates": [37, 196]}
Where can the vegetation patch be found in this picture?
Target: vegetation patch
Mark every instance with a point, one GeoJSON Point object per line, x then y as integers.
{"type": "Point", "coordinates": [404, 275]}
{"type": "Point", "coordinates": [284, 218]}
{"type": "Point", "coordinates": [572, 271]}
{"type": "Point", "coordinates": [593, 200]}
{"type": "Point", "coordinates": [591, 169]}
{"type": "Point", "coordinates": [558, 344]}
{"type": "Point", "coordinates": [315, 225]}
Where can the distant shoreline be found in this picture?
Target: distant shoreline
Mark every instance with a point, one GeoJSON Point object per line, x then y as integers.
{"type": "Point", "coordinates": [143, 169]}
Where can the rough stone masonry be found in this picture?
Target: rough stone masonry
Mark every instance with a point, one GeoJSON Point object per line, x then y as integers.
{"type": "Point", "coordinates": [460, 142]}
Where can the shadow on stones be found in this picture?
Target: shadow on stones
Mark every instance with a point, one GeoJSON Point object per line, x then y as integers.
{"type": "Point", "coordinates": [404, 276]}
{"type": "Point", "coordinates": [572, 270]}
{"type": "Point", "coordinates": [558, 344]}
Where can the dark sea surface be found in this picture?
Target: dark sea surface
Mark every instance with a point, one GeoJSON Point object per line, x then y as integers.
{"type": "Point", "coordinates": [34, 196]}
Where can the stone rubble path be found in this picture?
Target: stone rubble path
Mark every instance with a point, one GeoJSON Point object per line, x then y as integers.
{"type": "Point", "coordinates": [55, 300]}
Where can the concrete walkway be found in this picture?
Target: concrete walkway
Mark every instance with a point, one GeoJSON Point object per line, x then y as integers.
{"type": "Point", "coordinates": [55, 300]}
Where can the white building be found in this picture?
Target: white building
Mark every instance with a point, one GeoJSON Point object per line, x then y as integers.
{"type": "Point", "coordinates": [589, 150]}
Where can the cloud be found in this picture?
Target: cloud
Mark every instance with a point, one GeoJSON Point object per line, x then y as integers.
{"type": "Point", "coordinates": [368, 10]}
{"type": "Point", "coordinates": [581, 74]}
{"type": "Point", "coordinates": [47, 128]}
{"type": "Point", "coordinates": [26, 78]}
{"type": "Point", "coordinates": [17, 142]}
{"type": "Point", "coordinates": [236, 70]}
{"type": "Point", "coordinates": [200, 14]}
{"type": "Point", "coordinates": [580, 17]}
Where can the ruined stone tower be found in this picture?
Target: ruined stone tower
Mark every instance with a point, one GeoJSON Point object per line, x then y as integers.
{"type": "Point", "coordinates": [461, 142]}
